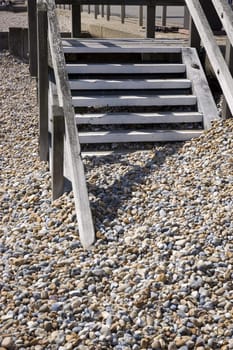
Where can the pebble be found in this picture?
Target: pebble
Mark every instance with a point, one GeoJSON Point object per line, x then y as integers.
{"type": "Point", "coordinates": [8, 343]}
{"type": "Point", "coordinates": [162, 264]}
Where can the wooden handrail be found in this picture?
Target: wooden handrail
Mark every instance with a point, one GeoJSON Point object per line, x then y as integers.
{"type": "Point", "coordinates": [217, 61]}
{"type": "Point", "coordinates": [84, 217]}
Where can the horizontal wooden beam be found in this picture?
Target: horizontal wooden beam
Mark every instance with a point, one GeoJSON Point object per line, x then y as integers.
{"type": "Point", "coordinates": [123, 2]}
{"type": "Point", "coordinates": [137, 100]}
{"type": "Point", "coordinates": [136, 68]}
{"type": "Point", "coordinates": [138, 136]}
{"type": "Point", "coordinates": [129, 84]}
{"type": "Point", "coordinates": [138, 118]}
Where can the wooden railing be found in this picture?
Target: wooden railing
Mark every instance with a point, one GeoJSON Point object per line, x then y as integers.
{"type": "Point", "coordinates": [105, 11]}
{"type": "Point", "coordinates": [46, 15]}
{"type": "Point", "coordinates": [202, 34]}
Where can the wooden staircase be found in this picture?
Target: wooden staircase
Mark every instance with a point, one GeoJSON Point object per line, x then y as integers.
{"type": "Point", "coordinates": [132, 90]}
{"type": "Point", "coordinates": [102, 91]}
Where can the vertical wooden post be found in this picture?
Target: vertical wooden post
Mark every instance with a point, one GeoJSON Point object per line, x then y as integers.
{"type": "Point", "coordinates": [194, 37]}
{"type": "Point", "coordinates": [57, 161]}
{"type": "Point", "coordinates": [186, 18]}
{"type": "Point", "coordinates": [150, 27]}
{"type": "Point", "coordinates": [88, 9]}
{"type": "Point", "coordinates": [42, 49]}
{"type": "Point", "coordinates": [32, 40]}
{"type": "Point", "coordinates": [164, 16]}
{"type": "Point", "coordinates": [108, 12]}
{"type": "Point", "coordinates": [76, 21]}
{"type": "Point", "coordinates": [226, 113]}
{"type": "Point", "coordinates": [96, 11]}
{"type": "Point", "coordinates": [140, 15]}
{"type": "Point", "coordinates": [102, 10]}
{"type": "Point", "coordinates": [122, 13]}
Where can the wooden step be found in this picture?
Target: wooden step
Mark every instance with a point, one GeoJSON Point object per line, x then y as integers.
{"type": "Point", "coordinates": [137, 100]}
{"type": "Point", "coordinates": [138, 118]}
{"type": "Point", "coordinates": [118, 46]}
{"type": "Point", "coordinates": [137, 136]}
{"type": "Point", "coordinates": [132, 84]}
{"type": "Point", "coordinates": [136, 68]}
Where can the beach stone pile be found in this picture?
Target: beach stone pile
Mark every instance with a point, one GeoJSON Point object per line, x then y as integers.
{"type": "Point", "coordinates": [159, 275]}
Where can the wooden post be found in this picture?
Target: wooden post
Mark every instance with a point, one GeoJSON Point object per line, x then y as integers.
{"type": "Point", "coordinates": [140, 15]}
{"type": "Point", "coordinates": [42, 49]}
{"type": "Point", "coordinates": [150, 27]}
{"type": "Point", "coordinates": [57, 161]}
{"type": "Point", "coordinates": [108, 12]}
{"type": "Point", "coordinates": [32, 40]}
{"type": "Point", "coordinates": [164, 16]}
{"type": "Point", "coordinates": [96, 11]}
{"type": "Point", "coordinates": [76, 21]}
{"type": "Point", "coordinates": [17, 40]}
{"type": "Point", "coordinates": [226, 112]}
{"type": "Point", "coordinates": [102, 10]}
{"type": "Point", "coordinates": [88, 9]}
{"type": "Point", "coordinates": [122, 13]}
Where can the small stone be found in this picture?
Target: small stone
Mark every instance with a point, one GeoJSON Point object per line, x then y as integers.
{"type": "Point", "coordinates": [8, 343]}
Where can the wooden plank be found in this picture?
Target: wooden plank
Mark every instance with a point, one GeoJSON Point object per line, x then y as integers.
{"type": "Point", "coordinates": [205, 101]}
{"type": "Point", "coordinates": [32, 37]}
{"type": "Point", "coordinates": [137, 68]}
{"type": "Point", "coordinates": [85, 223]}
{"type": "Point", "coordinates": [141, 100]}
{"type": "Point", "coordinates": [57, 161]}
{"type": "Point", "coordinates": [124, 2]}
{"type": "Point", "coordinates": [129, 84]}
{"type": "Point", "coordinates": [124, 42]}
{"type": "Point", "coordinates": [118, 49]}
{"type": "Point", "coordinates": [138, 136]}
{"type": "Point", "coordinates": [42, 64]}
{"type": "Point", "coordinates": [215, 56]}
{"type": "Point", "coordinates": [138, 118]}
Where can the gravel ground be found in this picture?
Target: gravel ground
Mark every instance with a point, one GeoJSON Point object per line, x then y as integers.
{"type": "Point", "coordinates": [160, 273]}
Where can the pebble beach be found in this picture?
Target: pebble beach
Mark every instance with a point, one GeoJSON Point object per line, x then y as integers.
{"type": "Point", "coordinates": [159, 275]}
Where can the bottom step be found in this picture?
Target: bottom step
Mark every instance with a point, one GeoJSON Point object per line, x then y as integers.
{"type": "Point", "coordinates": [138, 136]}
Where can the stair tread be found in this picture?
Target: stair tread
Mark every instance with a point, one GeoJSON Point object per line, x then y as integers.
{"type": "Point", "coordinates": [117, 46]}
{"type": "Point", "coordinates": [133, 100]}
{"type": "Point", "coordinates": [138, 118]}
{"type": "Point", "coordinates": [137, 136]}
{"type": "Point", "coordinates": [134, 84]}
{"type": "Point", "coordinates": [124, 68]}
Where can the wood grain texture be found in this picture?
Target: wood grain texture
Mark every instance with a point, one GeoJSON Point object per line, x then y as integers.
{"type": "Point", "coordinates": [215, 56]}
{"type": "Point", "coordinates": [195, 73]}
{"type": "Point", "coordinates": [138, 136]}
{"type": "Point", "coordinates": [138, 118]}
{"type": "Point", "coordinates": [85, 223]}
{"type": "Point", "coordinates": [136, 68]}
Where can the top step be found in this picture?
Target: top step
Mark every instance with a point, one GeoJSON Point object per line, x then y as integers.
{"type": "Point", "coordinates": [116, 46]}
